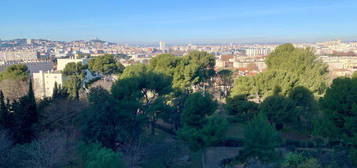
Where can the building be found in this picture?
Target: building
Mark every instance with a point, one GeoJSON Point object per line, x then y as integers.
{"type": "Point", "coordinates": [44, 83]}
{"type": "Point", "coordinates": [252, 52]}
{"type": "Point", "coordinates": [162, 46]}
{"type": "Point", "coordinates": [19, 55]}
{"type": "Point", "coordinates": [61, 63]}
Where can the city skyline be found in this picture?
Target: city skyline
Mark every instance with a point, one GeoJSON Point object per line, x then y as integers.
{"type": "Point", "coordinates": [180, 21]}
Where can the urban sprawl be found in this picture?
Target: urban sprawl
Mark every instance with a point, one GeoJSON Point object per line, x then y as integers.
{"type": "Point", "coordinates": [46, 59]}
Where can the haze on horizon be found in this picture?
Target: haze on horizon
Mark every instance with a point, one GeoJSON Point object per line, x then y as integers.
{"type": "Point", "coordinates": [179, 20]}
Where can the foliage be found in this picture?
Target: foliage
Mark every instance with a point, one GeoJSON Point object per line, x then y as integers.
{"type": "Point", "coordinates": [96, 156]}
{"type": "Point", "coordinates": [224, 81]}
{"type": "Point", "coordinates": [298, 160]}
{"type": "Point", "coordinates": [107, 121]}
{"type": "Point", "coordinates": [105, 65]}
{"type": "Point", "coordinates": [278, 109]}
{"type": "Point", "coordinates": [306, 108]}
{"type": "Point", "coordinates": [23, 118]}
{"type": "Point", "coordinates": [198, 106]}
{"type": "Point", "coordinates": [73, 68]}
{"type": "Point", "coordinates": [261, 139]}
{"type": "Point", "coordinates": [339, 107]}
{"type": "Point", "coordinates": [17, 71]}
{"type": "Point", "coordinates": [210, 133]}
{"type": "Point", "coordinates": [240, 107]}
{"type": "Point", "coordinates": [164, 63]}
{"type": "Point", "coordinates": [288, 67]}
{"type": "Point", "coordinates": [74, 78]}
{"type": "Point", "coordinates": [201, 129]}
{"type": "Point", "coordinates": [195, 69]}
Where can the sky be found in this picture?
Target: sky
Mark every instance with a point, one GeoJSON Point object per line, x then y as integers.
{"type": "Point", "coordinates": [180, 20]}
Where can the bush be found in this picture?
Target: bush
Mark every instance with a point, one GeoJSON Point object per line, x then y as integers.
{"type": "Point", "coordinates": [298, 160]}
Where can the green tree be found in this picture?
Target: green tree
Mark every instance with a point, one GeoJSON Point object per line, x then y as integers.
{"type": "Point", "coordinates": [59, 92]}
{"type": "Point", "coordinates": [288, 67]}
{"type": "Point", "coordinates": [164, 63]}
{"type": "Point", "coordinates": [96, 156]}
{"type": "Point", "coordinates": [354, 75]}
{"type": "Point", "coordinates": [17, 71]}
{"type": "Point", "coordinates": [200, 128]}
{"type": "Point", "coordinates": [240, 107]}
{"type": "Point", "coordinates": [260, 139]}
{"type": "Point", "coordinates": [105, 65]}
{"type": "Point", "coordinates": [339, 107]}
{"type": "Point", "coordinates": [198, 106]}
{"type": "Point", "coordinates": [4, 112]}
{"type": "Point", "coordinates": [109, 121]}
{"type": "Point", "coordinates": [298, 160]}
{"type": "Point", "coordinates": [145, 88]}
{"type": "Point", "coordinates": [225, 81]}
{"type": "Point", "coordinates": [194, 71]}
{"type": "Point", "coordinates": [74, 78]}
{"type": "Point", "coordinates": [278, 109]}
{"type": "Point", "coordinates": [306, 108]}
{"type": "Point", "coordinates": [211, 132]}
{"type": "Point", "coordinates": [73, 68]}
{"type": "Point", "coordinates": [24, 118]}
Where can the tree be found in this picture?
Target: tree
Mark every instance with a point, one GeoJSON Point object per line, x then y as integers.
{"type": "Point", "coordinates": [261, 139]}
{"type": "Point", "coordinates": [211, 132]}
{"type": "Point", "coordinates": [164, 63]}
{"type": "Point", "coordinates": [73, 68]}
{"type": "Point", "coordinates": [241, 107]}
{"type": "Point", "coordinates": [224, 81]}
{"type": "Point", "coordinates": [24, 118]}
{"type": "Point", "coordinates": [298, 160]}
{"type": "Point", "coordinates": [75, 76]}
{"type": "Point", "coordinates": [59, 92]}
{"type": "Point", "coordinates": [198, 106]}
{"type": "Point", "coordinates": [105, 65]}
{"type": "Point", "coordinates": [288, 67]}
{"type": "Point", "coordinates": [4, 112]}
{"type": "Point", "coordinates": [14, 81]}
{"type": "Point", "coordinates": [109, 121]}
{"type": "Point", "coordinates": [50, 151]}
{"type": "Point", "coordinates": [146, 89]}
{"type": "Point", "coordinates": [17, 71]}
{"type": "Point", "coordinates": [278, 109]}
{"type": "Point", "coordinates": [354, 75]}
{"type": "Point", "coordinates": [96, 156]}
{"type": "Point", "coordinates": [194, 71]}
{"type": "Point", "coordinates": [306, 108]}
{"type": "Point", "coordinates": [200, 128]}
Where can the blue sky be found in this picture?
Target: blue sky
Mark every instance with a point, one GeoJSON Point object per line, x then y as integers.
{"type": "Point", "coordinates": [180, 20]}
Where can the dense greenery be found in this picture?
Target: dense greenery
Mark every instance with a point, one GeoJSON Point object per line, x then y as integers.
{"type": "Point", "coordinates": [105, 65]}
{"type": "Point", "coordinates": [168, 114]}
{"type": "Point", "coordinates": [261, 139]}
{"type": "Point", "coordinates": [18, 71]}
{"type": "Point", "coordinates": [74, 72]}
{"type": "Point", "coordinates": [288, 67]}
{"type": "Point", "coordinates": [200, 127]}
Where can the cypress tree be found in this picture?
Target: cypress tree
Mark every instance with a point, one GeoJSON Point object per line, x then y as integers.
{"type": "Point", "coordinates": [25, 117]}
{"type": "Point", "coordinates": [3, 110]}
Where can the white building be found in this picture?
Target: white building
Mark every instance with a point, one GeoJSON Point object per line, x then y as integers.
{"type": "Point", "coordinates": [44, 83]}
{"type": "Point", "coordinates": [162, 46]}
{"type": "Point", "coordinates": [61, 63]}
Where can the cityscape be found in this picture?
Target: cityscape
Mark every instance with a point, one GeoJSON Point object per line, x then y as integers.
{"type": "Point", "coordinates": [178, 84]}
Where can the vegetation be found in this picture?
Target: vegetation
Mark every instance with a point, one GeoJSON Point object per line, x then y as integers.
{"type": "Point", "coordinates": [167, 114]}
{"type": "Point", "coordinates": [288, 67]}
{"type": "Point", "coordinates": [105, 65]}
